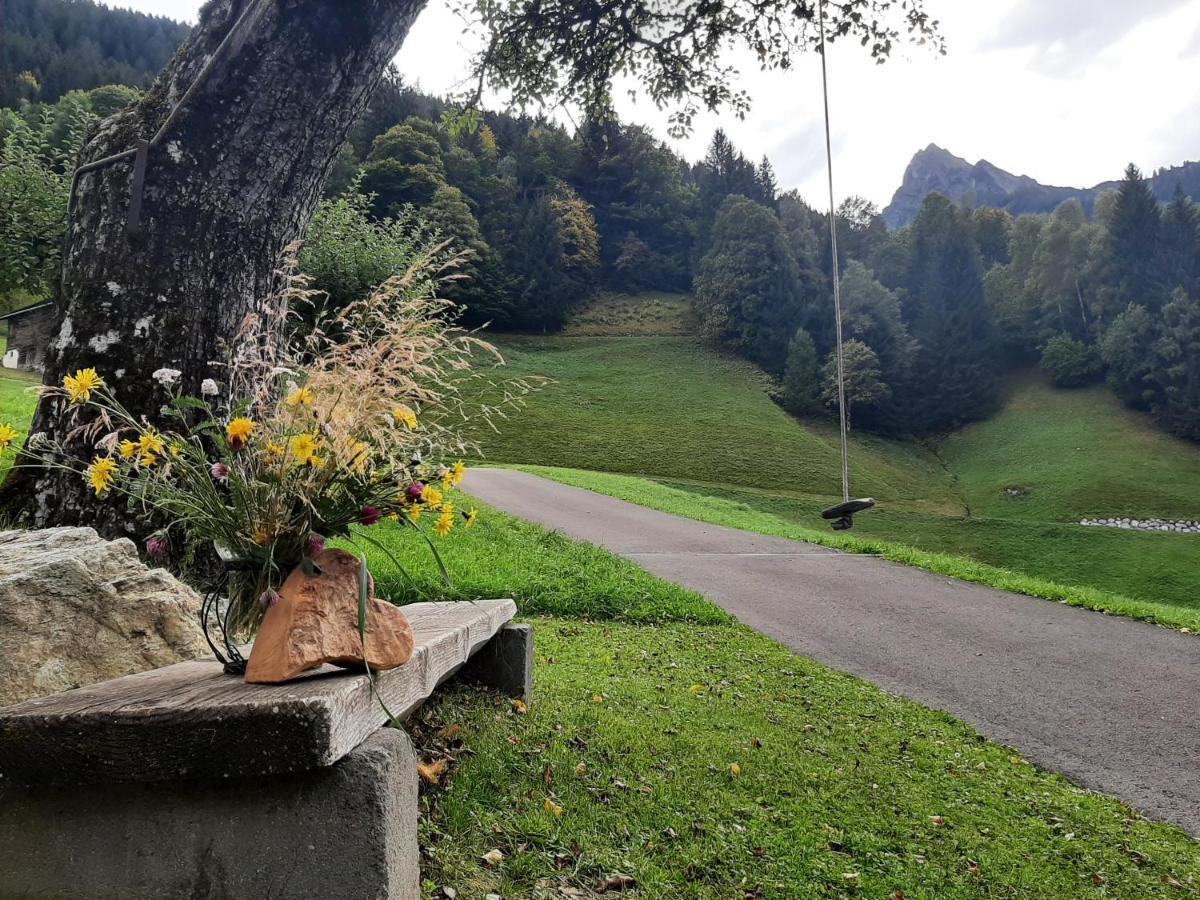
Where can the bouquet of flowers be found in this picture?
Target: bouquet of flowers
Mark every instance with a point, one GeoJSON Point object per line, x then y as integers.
{"type": "Point", "coordinates": [311, 433]}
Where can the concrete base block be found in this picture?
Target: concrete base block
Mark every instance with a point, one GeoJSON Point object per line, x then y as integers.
{"type": "Point", "coordinates": [349, 831]}
{"type": "Point", "coordinates": [505, 662]}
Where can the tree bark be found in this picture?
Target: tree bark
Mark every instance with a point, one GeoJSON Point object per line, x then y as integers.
{"type": "Point", "coordinates": [232, 181]}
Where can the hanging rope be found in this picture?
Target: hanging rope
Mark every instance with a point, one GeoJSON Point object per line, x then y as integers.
{"type": "Point", "coordinates": [837, 286]}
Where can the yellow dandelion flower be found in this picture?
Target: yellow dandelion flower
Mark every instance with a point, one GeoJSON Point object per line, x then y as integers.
{"type": "Point", "coordinates": [8, 434]}
{"type": "Point", "coordinates": [470, 516]}
{"type": "Point", "coordinates": [80, 385]}
{"type": "Point", "coordinates": [447, 480]}
{"type": "Point", "coordinates": [100, 474]}
{"type": "Point", "coordinates": [458, 471]}
{"type": "Point", "coordinates": [445, 522]}
{"type": "Point", "coordinates": [176, 449]}
{"type": "Point", "coordinates": [238, 432]}
{"type": "Point", "coordinates": [406, 417]}
{"type": "Point", "coordinates": [127, 449]}
{"type": "Point", "coordinates": [431, 496]}
{"type": "Point", "coordinates": [260, 537]}
{"type": "Point", "coordinates": [414, 514]}
{"type": "Point", "coordinates": [300, 397]}
{"type": "Point", "coordinates": [304, 449]}
{"type": "Point", "coordinates": [446, 508]}
{"type": "Point", "coordinates": [149, 447]}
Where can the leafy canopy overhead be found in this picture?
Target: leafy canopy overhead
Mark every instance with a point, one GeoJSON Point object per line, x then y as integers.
{"type": "Point", "coordinates": [572, 50]}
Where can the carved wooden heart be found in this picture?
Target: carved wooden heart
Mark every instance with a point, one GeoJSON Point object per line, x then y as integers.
{"type": "Point", "coordinates": [316, 622]}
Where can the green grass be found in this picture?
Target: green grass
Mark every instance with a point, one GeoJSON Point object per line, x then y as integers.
{"type": "Point", "coordinates": [17, 402]}
{"type": "Point", "coordinates": [1113, 553]}
{"type": "Point", "coordinates": [669, 410]}
{"type": "Point", "coordinates": [544, 572]}
{"type": "Point", "coordinates": [634, 314]}
{"type": "Point", "coordinates": [1075, 453]}
{"type": "Point", "coordinates": [837, 779]}
{"type": "Point", "coordinates": [666, 407]}
{"type": "Point", "coordinates": [836, 776]}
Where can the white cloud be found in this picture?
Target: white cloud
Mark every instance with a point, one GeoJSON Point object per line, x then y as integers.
{"type": "Point", "coordinates": [1067, 91]}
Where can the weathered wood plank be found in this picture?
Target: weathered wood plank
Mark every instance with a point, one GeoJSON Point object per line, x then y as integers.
{"type": "Point", "coordinates": [190, 720]}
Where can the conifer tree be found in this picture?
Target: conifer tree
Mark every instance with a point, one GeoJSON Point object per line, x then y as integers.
{"type": "Point", "coordinates": [801, 376]}
{"type": "Point", "coordinates": [1131, 264]}
{"type": "Point", "coordinates": [1179, 247]}
{"type": "Point", "coordinates": [768, 184]}
{"type": "Point", "coordinates": [955, 368]}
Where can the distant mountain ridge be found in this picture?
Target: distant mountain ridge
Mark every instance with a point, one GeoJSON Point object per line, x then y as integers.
{"type": "Point", "coordinates": [934, 169]}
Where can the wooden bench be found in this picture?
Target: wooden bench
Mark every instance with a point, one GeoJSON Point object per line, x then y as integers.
{"type": "Point", "coordinates": [186, 782]}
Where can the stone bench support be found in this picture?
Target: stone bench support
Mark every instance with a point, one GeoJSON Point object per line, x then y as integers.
{"type": "Point", "coordinates": [349, 830]}
{"type": "Point", "coordinates": [342, 829]}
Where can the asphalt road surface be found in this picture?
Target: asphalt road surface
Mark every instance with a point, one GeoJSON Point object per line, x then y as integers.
{"type": "Point", "coordinates": [1111, 703]}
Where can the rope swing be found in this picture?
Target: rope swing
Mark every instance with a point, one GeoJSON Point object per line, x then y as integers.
{"type": "Point", "coordinates": [843, 513]}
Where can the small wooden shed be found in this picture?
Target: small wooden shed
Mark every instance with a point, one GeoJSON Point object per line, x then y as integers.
{"type": "Point", "coordinates": [29, 332]}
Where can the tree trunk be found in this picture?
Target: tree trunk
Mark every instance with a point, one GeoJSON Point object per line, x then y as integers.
{"type": "Point", "coordinates": [232, 181]}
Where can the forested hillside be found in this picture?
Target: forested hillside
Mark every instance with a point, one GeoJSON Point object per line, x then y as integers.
{"type": "Point", "coordinates": [531, 218]}
{"type": "Point", "coordinates": [50, 47]}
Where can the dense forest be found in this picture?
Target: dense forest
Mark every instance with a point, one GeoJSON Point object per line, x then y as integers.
{"type": "Point", "coordinates": [537, 218]}
{"type": "Point", "coordinates": [50, 47]}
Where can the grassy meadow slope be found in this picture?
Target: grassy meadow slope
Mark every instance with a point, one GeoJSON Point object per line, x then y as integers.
{"type": "Point", "coordinates": [667, 409]}
{"type": "Point", "coordinates": [1072, 454]}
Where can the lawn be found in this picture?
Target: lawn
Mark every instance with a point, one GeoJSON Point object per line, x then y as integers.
{"type": "Point", "coordinates": [1072, 454]}
{"type": "Point", "coordinates": [702, 426]}
{"type": "Point", "coordinates": [703, 760]}
{"type": "Point", "coordinates": [666, 407]}
{"type": "Point", "coordinates": [17, 402]}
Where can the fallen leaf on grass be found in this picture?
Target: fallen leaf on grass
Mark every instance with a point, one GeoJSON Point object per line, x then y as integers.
{"type": "Point", "coordinates": [850, 877]}
{"type": "Point", "coordinates": [597, 699]}
{"type": "Point", "coordinates": [451, 731]}
{"type": "Point", "coordinates": [735, 770]}
{"type": "Point", "coordinates": [431, 772]}
{"type": "Point", "coordinates": [552, 807]}
{"type": "Point", "coordinates": [696, 689]}
{"type": "Point", "coordinates": [616, 882]}
{"type": "Point", "coordinates": [937, 821]}
{"type": "Point", "coordinates": [519, 706]}
{"type": "Point", "coordinates": [493, 858]}
{"type": "Point", "coordinates": [581, 769]}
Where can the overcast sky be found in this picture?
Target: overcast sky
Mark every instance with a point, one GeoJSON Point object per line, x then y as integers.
{"type": "Point", "coordinates": [1066, 91]}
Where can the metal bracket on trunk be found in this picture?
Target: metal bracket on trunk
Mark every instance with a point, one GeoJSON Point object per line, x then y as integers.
{"type": "Point", "coordinates": [133, 225]}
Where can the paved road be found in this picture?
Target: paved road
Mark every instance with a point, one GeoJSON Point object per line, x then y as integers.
{"type": "Point", "coordinates": [1111, 703]}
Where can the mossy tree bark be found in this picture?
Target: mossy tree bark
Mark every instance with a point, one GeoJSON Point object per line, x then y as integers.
{"type": "Point", "coordinates": [232, 181]}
